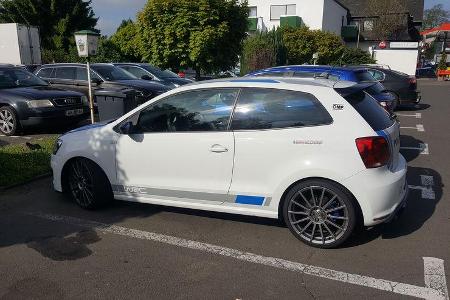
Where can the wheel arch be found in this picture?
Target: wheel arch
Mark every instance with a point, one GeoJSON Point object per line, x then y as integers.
{"type": "Point", "coordinates": [360, 220]}
{"type": "Point", "coordinates": [66, 166]}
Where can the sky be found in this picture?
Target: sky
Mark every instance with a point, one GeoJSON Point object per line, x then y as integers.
{"type": "Point", "coordinates": [112, 12]}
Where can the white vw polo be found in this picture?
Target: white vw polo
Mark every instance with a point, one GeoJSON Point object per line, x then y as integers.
{"type": "Point", "coordinates": [323, 156]}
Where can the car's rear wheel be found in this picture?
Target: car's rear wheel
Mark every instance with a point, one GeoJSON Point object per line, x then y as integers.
{"type": "Point", "coordinates": [8, 121]}
{"type": "Point", "coordinates": [320, 213]}
{"type": "Point", "coordinates": [87, 184]}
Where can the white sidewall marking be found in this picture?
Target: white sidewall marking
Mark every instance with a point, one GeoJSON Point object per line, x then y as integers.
{"type": "Point", "coordinates": [380, 284]}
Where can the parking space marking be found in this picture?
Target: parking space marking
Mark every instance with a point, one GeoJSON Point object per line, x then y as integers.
{"type": "Point", "coordinates": [435, 275]}
{"type": "Point", "coordinates": [423, 148]}
{"type": "Point", "coordinates": [419, 127]}
{"type": "Point", "coordinates": [427, 192]}
{"type": "Point", "coordinates": [416, 115]}
{"type": "Point", "coordinates": [427, 180]}
{"type": "Point", "coordinates": [435, 286]}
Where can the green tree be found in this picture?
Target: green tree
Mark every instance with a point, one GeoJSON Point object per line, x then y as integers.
{"type": "Point", "coordinates": [263, 50]}
{"type": "Point", "coordinates": [127, 40]}
{"type": "Point", "coordinates": [301, 43]}
{"type": "Point", "coordinates": [205, 35]}
{"type": "Point", "coordinates": [443, 62]}
{"type": "Point", "coordinates": [354, 56]}
{"type": "Point", "coordinates": [57, 19]}
{"type": "Point", "coordinates": [435, 16]}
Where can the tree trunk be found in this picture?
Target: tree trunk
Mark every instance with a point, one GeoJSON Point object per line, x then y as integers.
{"type": "Point", "coordinates": [197, 74]}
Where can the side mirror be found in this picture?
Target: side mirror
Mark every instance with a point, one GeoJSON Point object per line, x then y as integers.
{"type": "Point", "coordinates": [146, 77]}
{"type": "Point", "coordinates": [96, 81]}
{"type": "Point", "coordinates": [127, 128]}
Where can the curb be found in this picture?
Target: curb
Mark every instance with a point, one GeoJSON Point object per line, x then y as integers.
{"type": "Point", "coordinates": [5, 188]}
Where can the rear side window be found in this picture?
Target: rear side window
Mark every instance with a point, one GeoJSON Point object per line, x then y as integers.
{"type": "Point", "coordinates": [273, 108]}
{"type": "Point", "coordinates": [370, 110]}
{"type": "Point", "coordinates": [65, 73]}
{"type": "Point", "coordinates": [362, 76]}
{"type": "Point", "coordinates": [46, 73]}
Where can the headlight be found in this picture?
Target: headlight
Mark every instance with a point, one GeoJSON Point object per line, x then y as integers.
{"type": "Point", "coordinates": [57, 145]}
{"type": "Point", "coordinates": [39, 103]}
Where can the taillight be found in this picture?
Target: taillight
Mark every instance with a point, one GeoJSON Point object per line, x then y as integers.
{"type": "Point", "coordinates": [374, 151]}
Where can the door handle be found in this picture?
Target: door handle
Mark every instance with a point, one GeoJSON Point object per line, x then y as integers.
{"type": "Point", "coordinates": [218, 148]}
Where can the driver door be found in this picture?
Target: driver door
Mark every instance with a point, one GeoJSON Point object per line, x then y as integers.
{"type": "Point", "coordinates": [181, 149]}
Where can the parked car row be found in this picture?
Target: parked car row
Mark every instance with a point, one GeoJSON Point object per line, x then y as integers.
{"type": "Point", "coordinates": [57, 93]}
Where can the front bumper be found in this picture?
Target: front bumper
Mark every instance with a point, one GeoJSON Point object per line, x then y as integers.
{"type": "Point", "coordinates": [381, 192]}
{"type": "Point", "coordinates": [54, 116]}
{"type": "Point", "coordinates": [56, 165]}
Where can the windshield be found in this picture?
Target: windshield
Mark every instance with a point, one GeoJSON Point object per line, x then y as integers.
{"type": "Point", "coordinates": [112, 73]}
{"type": "Point", "coordinates": [16, 78]}
{"type": "Point", "coordinates": [160, 73]}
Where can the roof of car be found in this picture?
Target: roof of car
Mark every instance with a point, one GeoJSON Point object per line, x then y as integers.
{"type": "Point", "coordinates": [313, 67]}
{"type": "Point", "coordinates": [73, 65]}
{"type": "Point", "coordinates": [318, 82]}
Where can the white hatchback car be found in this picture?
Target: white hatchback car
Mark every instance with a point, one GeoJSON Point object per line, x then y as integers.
{"type": "Point", "coordinates": [323, 156]}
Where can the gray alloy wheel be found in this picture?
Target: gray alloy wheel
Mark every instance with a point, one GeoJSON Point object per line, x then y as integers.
{"type": "Point", "coordinates": [8, 121]}
{"type": "Point", "coordinates": [320, 214]}
{"type": "Point", "coordinates": [87, 184]}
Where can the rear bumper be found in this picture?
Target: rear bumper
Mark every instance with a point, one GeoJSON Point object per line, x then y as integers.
{"type": "Point", "coordinates": [410, 97]}
{"type": "Point", "coordinates": [381, 193]}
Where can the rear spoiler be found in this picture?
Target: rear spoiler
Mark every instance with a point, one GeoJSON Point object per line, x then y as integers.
{"type": "Point", "coordinates": [346, 89]}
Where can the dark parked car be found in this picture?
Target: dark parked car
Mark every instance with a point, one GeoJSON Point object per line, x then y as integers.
{"type": "Point", "coordinates": [149, 72]}
{"type": "Point", "coordinates": [26, 100]}
{"type": "Point", "coordinates": [355, 74]}
{"type": "Point", "coordinates": [104, 76]}
{"type": "Point", "coordinates": [401, 85]}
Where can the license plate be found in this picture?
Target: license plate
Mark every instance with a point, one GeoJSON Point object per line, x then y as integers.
{"type": "Point", "coordinates": [74, 112]}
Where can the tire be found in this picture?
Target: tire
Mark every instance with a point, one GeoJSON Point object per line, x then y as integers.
{"type": "Point", "coordinates": [87, 184]}
{"type": "Point", "coordinates": [396, 101]}
{"type": "Point", "coordinates": [325, 221]}
{"type": "Point", "coordinates": [9, 123]}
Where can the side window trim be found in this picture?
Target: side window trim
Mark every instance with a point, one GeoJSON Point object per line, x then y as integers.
{"type": "Point", "coordinates": [282, 128]}
{"type": "Point", "coordinates": [135, 116]}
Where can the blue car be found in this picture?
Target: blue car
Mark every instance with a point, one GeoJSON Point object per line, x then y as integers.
{"type": "Point", "coordinates": [355, 74]}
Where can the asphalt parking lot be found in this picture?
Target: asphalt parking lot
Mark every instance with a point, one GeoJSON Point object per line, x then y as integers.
{"type": "Point", "coordinates": [51, 249]}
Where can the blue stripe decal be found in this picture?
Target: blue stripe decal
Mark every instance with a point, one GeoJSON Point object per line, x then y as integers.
{"type": "Point", "coordinates": [252, 200]}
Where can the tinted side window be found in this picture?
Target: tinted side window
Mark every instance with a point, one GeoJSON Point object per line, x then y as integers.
{"type": "Point", "coordinates": [81, 74]}
{"type": "Point", "coordinates": [65, 73]}
{"type": "Point", "coordinates": [46, 73]}
{"type": "Point", "coordinates": [137, 72]}
{"type": "Point", "coordinates": [271, 108]}
{"type": "Point", "coordinates": [370, 110]}
{"type": "Point", "coordinates": [377, 75]}
{"type": "Point", "coordinates": [203, 110]}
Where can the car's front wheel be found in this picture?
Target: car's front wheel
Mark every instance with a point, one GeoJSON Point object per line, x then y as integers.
{"type": "Point", "coordinates": [320, 213]}
{"type": "Point", "coordinates": [87, 184]}
{"type": "Point", "coordinates": [8, 121]}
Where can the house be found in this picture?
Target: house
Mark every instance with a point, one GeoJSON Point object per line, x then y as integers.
{"type": "Point", "coordinates": [327, 15]}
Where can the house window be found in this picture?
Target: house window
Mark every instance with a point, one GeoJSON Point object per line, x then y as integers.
{"type": "Point", "coordinates": [253, 11]}
{"type": "Point", "coordinates": [368, 25]}
{"type": "Point", "coordinates": [281, 10]}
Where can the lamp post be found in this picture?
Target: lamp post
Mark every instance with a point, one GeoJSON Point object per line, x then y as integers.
{"type": "Point", "coordinates": [87, 45]}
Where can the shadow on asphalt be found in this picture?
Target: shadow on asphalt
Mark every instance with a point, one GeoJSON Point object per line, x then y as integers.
{"type": "Point", "coordinates": [414, 216]}
{"type": "Point", "coordinates": [413, 107]}
{"type": "Point", "coordinates": [410, 141]}
{"type": "Point", "coordinates": [3, 143]}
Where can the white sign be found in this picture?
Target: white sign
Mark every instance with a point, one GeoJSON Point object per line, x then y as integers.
{"type": "Point", "coordinates": [404, 45]}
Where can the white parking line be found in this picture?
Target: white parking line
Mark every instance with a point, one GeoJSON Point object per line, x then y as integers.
{"type": "Point", "coordinates": [434, 275]}
{"type": "Point", "coordinates": [423, 148]}
{"type": "Point", "coordinates": [427, 192]}
{"type": "Point", "coordinates": [416, 115]}
{"type": "Point", "coordinates": [427, 180]}
{"type": "Point", "coordinates": [419, 127]}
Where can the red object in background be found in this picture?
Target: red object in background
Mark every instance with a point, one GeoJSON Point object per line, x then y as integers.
{"type": "Point", "coordinates": [182, 74]}
{"type": "Point", "coordinates": [382, 45]}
